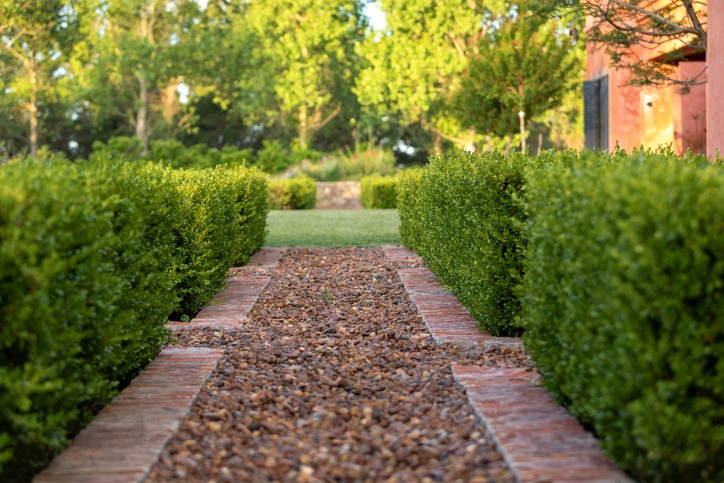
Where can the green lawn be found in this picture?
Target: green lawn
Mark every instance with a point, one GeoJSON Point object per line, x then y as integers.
{"type": "Point", "coordinates": [332, 228]}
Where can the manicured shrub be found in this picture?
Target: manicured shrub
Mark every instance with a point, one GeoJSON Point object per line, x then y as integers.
{"type": "Point", "coordinates": [84, 294]}
{"type": "Point", "coordinates": [412, 215]}
{"type": "Point", "coordinates": [465, 224]}
{"type": "Point", "coordinates": [623, 306]}
{"type": "Point", "coordinates": [298, 193]}
{"type": "Point", "coordinates": [93, 259]}
{"type": "Point", "coordinates": [211, 239]}
{"type": "Point", "coordinates": [250, 188]}
{"type": "Point", "coordinates": [378, 192]}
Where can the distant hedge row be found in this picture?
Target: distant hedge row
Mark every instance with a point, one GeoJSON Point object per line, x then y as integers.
{"type": "Point", "coordinates": [298, 193]}
{"type": "Point", "coordinates": [378, 192]}
{"type": "Point", "coordinates": [614, 267]}
{"type": "Point", "coordinates": [93, 259]}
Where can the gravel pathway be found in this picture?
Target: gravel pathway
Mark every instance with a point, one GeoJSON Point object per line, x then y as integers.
{"type": "Point", "coordinates": [333, 378]}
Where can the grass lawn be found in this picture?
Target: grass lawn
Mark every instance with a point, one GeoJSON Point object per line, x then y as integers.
{"type": "Point", "coordinates": [332, 228]}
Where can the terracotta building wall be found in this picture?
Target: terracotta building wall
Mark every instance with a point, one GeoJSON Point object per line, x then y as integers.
{"type": "Point", "coordinates": [652, 117]}
{"type": "Point", "coordinates": [715, 72]}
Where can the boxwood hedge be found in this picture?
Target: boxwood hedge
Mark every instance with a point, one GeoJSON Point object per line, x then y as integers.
{"type": "Point", "coordinates": [298, 193]}
{"type": "Point", "coordinates": [378, 192]}
{"type": "Point", "coordinates": [460, 214]}
{"type": "Point", "coordinates": [90, 268]}
{"type": "Point", "coordinates": [623, 306]}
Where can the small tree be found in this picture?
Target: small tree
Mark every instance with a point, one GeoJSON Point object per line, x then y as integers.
{"type": "Point", "coordinates": [672, 31]}
{"type": "Point", "coordinates": [521, 69]}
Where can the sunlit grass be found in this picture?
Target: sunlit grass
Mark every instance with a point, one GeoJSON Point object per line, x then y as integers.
{"type": "Point", "coordinates": [332, 228]}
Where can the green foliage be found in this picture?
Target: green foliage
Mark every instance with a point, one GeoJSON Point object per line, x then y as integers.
{"type": "Point", "coordinates": [172, 153]}
{"type": "Point", "coordinates": [84, 289]}
{"type": "Point", "coordinates": [93, 259]}
{"type": "Point", "coordinates": [210, 239]}
{"type": "Point", "coordinates": [525, 65]}
{"type": "Point", "coordinates": [412, 217]}
{"type": "Point", "coordinates": [298, 193]}
{"type": "Point", "coordinates": [349, 166]}
{"type": "Point", "coordinates": [378, 192]}
{"type": "Point", "coordinates": [460, 215]}
{"type": "Point", "coordinates": [273, 158]}
{"type": "Point", "coordinates": [305, 50]}
{"type": "Point", "coordinates": [624, 306]}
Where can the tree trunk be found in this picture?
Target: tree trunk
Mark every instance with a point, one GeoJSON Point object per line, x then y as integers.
{"type": "Point", "coordinates": [437, 143]}
{"type": "Point", "coordinates": [142, 116]}
{"type": "Point", "coordinates": [33, 113]}
{"type": "Point", "coordinates": [303, 128]}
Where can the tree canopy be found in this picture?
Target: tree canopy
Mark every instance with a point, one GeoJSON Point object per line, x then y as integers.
{"type": "Point", "coordinates": [651, 38]}
{"type": "Point", "coordinates": [312, 74]}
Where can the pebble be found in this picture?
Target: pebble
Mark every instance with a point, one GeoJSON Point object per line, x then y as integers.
{"type": "Point", "coordinates": [347, 387]}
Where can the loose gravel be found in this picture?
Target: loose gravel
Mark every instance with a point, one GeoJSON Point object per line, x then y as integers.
{"type": "Point", "coordinates": [333, 378]}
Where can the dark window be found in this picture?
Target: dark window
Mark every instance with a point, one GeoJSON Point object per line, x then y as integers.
{"type": "Point", "coordinates": [595, 113]}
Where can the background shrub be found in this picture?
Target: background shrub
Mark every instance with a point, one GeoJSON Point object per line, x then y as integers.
{"type": "Point", "coordinates": [378, 192]}
{"type": "Point", "coordinates": [623, 306]}
{"type": "Point", "coordinates": [298, 193]}
{"type": "Point", "coordinates": [343, 166]}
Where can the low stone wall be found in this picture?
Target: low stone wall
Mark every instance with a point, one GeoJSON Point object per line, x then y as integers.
{"type": "Point", "coordinates": [342, 195]}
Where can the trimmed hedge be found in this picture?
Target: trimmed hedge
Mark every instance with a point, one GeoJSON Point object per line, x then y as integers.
{"type": "Point", "coordinates": [298, 193]}
{"type": "Point", "coordinates": [411, 212]}
{"type": "Point", "coordinates": [89, 260]}
{"type": "Point", "coordinates": [212, 238]}
{"type": "Point", "coordinates": [460, 214]}
{"type": "Point", "coordinates": [378, 192]}
{"type": "Point", "coordinates": [623, 307]}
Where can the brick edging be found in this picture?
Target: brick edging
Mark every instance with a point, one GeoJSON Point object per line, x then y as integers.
{"type": "Point", "coordinates": [127, 436]}
{"type": "Point", "coordinates": [230, 307]}
{"type": "Point", "coordinates": [538, 439]}
{"type": "Point", "coordinates": [443, 315]}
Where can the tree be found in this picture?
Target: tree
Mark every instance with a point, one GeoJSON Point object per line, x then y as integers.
{"type": "Point", "coordinates": [140, 60]}
{"type": "Point", "coordinates": [302, 63]}
{"type": "Point", "coordinates": [650, 38]}
{"type": "Point", "coordinates": [522, 68]}
{"type": "Point", "coordinates": [35, 41]}
{"type": "Point", "coordinates": [414, 66]}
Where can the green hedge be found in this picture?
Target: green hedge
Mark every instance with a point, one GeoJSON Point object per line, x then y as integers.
{"type": "Point", "coordinates": [411, 212]}
{"type": "Point", "coordinates": [90, 260]}
{"type": "Point", "coordinates": [460, 214]}
{"type": "Point", "coordinates": [378, 192]}
{"type": "Point", "coordinates": [212, 239]}
{"type": "Point", "coordinates": [624, 307]}
{"type": "Point", "coordinates": [298, 193]}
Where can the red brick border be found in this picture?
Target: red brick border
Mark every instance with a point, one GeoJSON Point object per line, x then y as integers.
{"type": "Point", "coordinates": [126, 437]}
{"type": "Point", "coordinates": [539, 440]}
{"type": "Point", "coordinates": [229, 308]}
{"type": "Point", "coordinates": [266, 258]}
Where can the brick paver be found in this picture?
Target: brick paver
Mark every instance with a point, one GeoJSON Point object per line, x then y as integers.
{"type": "Point", "coordinates": [266, 258]}
{"type": "Point", "coordinates": [443, 315]}
{"type": "Point", "coordinates": [126, 437]}
{"type": "Point", "coordinates": [229, 308]}
{"type": "Point", "coordinates": [539, 440]}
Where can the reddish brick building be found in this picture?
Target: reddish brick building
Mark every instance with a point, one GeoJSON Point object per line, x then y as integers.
{"type": "Point", "coordinates": [632, 116]}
